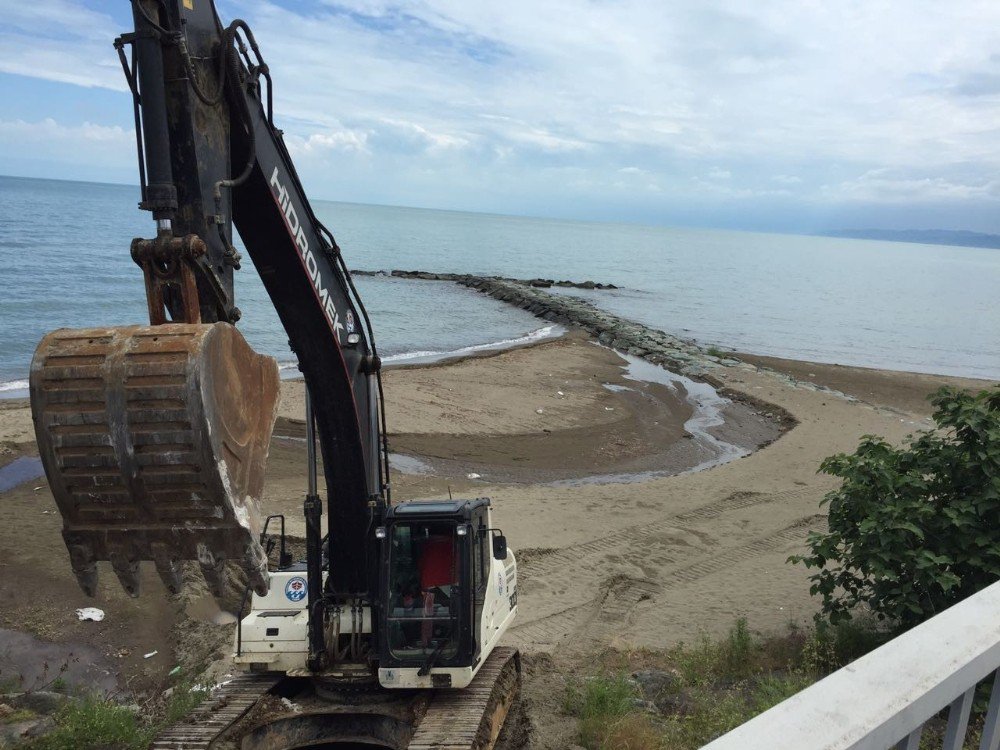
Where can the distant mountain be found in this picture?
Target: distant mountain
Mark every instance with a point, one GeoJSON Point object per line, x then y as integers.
{"type": "Point", "coordinates": [923, 236]}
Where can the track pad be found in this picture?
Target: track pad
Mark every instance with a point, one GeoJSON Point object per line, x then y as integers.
{"type": "Point", "coordinates": [154, 440]}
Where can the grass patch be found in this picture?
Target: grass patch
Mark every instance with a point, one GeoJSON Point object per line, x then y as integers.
{"type": "Point", "coordinates": [606, 706]}
{"type": "Point", "coordinates": [92, 723]}
{"type": "Point", "coordinates": [182, 702]}
{"type": "Point", "coordinates": [684, 697]}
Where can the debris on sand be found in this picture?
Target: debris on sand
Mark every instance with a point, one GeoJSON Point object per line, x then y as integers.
{"type": "Point", "coordinates": [92, 614]}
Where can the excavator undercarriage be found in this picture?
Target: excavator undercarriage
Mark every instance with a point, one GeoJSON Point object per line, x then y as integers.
{"type": "Point", "coordinates": [254, 712]}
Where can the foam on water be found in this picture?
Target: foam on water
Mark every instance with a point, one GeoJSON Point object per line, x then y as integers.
{"type": "Point", "coordinates": [541, 334]}
{"type": "Point", "coordinates": [14, 389]}
{"type": "Point", "coordinates": [290, 370]}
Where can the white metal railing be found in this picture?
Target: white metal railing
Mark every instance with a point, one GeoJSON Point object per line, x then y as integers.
{"type": "Point", "coordinates": [883, 699]}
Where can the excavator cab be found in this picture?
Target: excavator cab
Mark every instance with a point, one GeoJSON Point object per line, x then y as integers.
{"type": "Point", "coordinates": [447, 593]}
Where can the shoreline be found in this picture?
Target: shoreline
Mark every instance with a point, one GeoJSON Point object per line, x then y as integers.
{"type": "Point", "coordinates": [900, 390]}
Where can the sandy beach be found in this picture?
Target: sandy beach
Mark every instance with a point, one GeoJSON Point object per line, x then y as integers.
{"type": "Point", "coordinates": [636, 522]}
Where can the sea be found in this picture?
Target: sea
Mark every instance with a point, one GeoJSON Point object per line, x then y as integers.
{"type": "Point", "coordinates": [64, 261]}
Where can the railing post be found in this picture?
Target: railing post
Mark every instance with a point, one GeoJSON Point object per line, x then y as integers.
{"type": "Point", "coordinates": [991, 725]}
{"type": "Point", "coordinates": [958, 720]}
{"type": "Point", "coordinates": [912, 740]}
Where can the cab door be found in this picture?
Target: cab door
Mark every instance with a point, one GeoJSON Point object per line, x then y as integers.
{"type": "Point", "coordinates": [480, 567]}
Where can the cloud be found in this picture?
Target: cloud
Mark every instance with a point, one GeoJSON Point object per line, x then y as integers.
{"type": "Point", "coordinates": [480, 105]}
{"type": "Point", "coordinates": [87, 151]}
{"type": "Point", "coordinates": [884, 186]}
{"type": "Point", "coordinates": [60, 41]}
{"type": "Point", "coordinates": [48, 131]}
{"type": "Point", "coordinates": [349, 141]}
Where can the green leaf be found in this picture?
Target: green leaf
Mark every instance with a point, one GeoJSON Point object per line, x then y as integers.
{"type": "Point", "coordinates": [913, 529]}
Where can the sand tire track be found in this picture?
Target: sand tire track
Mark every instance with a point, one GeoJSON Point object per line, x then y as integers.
{"type": "Point", "coordinates": [559, 561]}
{"type": "Point", "coordinates": [611, 611]}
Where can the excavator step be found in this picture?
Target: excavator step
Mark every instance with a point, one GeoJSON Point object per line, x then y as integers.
{"type": "Point", "coordinates": [154, 441]}
{"type": "Point", "coordinates": [222, 708]}
{"type": "Point", "coordinates": [471, 718]}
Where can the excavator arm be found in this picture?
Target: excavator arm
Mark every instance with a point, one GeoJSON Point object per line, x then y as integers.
{"type": "Point", "coordinates": [154, 438]}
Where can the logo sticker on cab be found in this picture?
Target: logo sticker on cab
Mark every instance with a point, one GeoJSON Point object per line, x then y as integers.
{"type": "Point", "coordinates": [296, 589]}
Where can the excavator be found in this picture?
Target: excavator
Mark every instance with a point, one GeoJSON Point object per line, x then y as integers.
{"type": "Point", "coordinates": [154, 439]}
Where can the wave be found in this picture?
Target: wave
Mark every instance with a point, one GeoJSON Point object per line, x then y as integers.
{"type": "Point", "coordinates": [14, 389]}
{"type": "Point", "coordinates": [290, 370]}
{"type": "Point", "coordinates": [538, 334]}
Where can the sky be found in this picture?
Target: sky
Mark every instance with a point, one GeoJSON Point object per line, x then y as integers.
{"type": "Point", "coordinates": [775, 115]}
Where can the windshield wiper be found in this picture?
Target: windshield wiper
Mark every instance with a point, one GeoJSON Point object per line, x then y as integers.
{"type": "Point", "coordinates": [426, 668]}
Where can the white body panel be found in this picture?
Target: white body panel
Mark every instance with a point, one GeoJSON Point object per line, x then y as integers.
{"type": "Point", "coordinates": [276, 632]}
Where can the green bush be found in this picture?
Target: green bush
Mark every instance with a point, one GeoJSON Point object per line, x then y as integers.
{"type": "Point", "coordinates": [912, 530]}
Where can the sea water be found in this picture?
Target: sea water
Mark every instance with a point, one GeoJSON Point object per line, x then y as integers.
{"type": "Point", "coordinates": [64, 261]}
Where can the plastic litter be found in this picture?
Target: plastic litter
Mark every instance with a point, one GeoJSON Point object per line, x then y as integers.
{"type": "Point", "coordinates": [93, 614]}
{"type": "Point", "coordinates": [472, 475]}
{"type": "Point", "coordinates": [150, 655]}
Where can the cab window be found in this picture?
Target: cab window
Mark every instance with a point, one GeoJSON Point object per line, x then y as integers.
{"type": "Point", "coordinates": [423, 590]}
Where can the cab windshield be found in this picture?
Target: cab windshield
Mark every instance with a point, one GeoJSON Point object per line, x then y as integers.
{"type": "Point", "coordinates": [423, 591]}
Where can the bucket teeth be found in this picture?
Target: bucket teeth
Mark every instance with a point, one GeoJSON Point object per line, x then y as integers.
{"type": "Point", "coordinates": [84, 564]}
{"type": "Point", "coordinates": [213, 567]}
{"type": "Point", "coordinates": [126, 567]}
{"type": "Point", "coordinates": [154, 441]}
{"type": "Point", "coordinates": [168, 567]}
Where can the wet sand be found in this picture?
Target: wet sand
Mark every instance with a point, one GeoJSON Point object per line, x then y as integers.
{"type": "Point", "coordinates": [904, 391]}
{"type": "Point", "coordinates": [649, 554]}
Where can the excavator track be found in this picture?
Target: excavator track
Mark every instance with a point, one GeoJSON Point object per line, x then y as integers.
{"type": "Point", "coordinates": [226, 705]}
{"type": "Point", "coordinates": [471, 718]}
{"type": "Point", "coordinates": [466, 719]}
{"type": "Point", "coordinates": [154, 441]}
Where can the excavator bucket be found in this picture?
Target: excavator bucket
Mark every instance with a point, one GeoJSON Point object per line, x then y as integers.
{"type": "Point", "coordinates": [154, 440]}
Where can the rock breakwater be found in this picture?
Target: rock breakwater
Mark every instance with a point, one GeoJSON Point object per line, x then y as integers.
{"type": "Point", "coordinates": [683, 356]}
{"type": "Point", "coordinates": [680, 355]}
